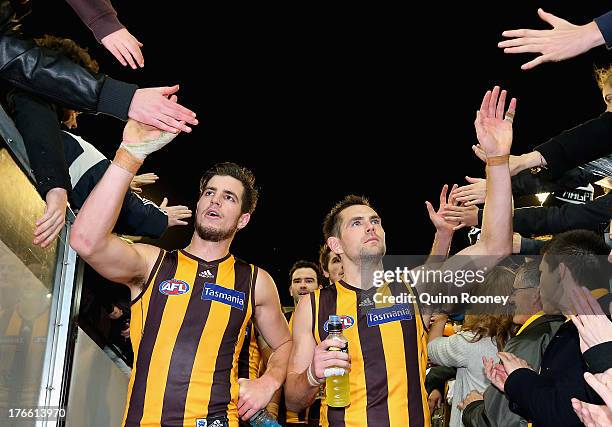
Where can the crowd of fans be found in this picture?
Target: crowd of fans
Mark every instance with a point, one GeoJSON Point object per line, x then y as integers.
{"type": "Point", "coordinates": [545, 359]}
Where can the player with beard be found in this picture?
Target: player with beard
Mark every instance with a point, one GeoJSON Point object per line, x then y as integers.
{"type": "Point", "coordinates": [387, 356]}
{"type": "Point", "coordinates": [190, 307]}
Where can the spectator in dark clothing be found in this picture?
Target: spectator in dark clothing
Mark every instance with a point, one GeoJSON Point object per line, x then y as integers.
{"type": "Point", "coordinates": [25, 65]}
{"type": "Point", "coordinates": [62, 162]}
{"type": "Point", "coordinates": [571, 259]}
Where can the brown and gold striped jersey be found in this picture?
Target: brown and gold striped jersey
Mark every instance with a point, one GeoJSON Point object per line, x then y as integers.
{"type": "Point", "coordinates": [187, 328]}
{"type": "Point", "coordinates": [388, 348]}
{"type": "Point", "coordinates": [249, 360]}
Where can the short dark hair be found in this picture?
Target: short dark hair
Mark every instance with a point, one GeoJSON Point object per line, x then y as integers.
{"type": "Point", "coordinates": [250, 194]}
{"type": "Point", "coordinates": [325, 255]}
{"type": "Point", "coordinates": [69, 49]}
{"type": "Point", "coordinates": [331, 224]}
{"type": "Point", "coordinates": [528, 274]}
{"type": "Point", "coordinates": [584, 253]}
{"type": "Point", "coordinates": [306, 264]}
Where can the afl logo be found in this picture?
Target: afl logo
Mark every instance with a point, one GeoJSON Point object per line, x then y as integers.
{"type": "Point", "coordinates": [347, 322]}
{"type": "Point", "coordinates": [173, 287]}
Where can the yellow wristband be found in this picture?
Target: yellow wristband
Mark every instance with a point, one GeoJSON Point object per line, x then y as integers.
{"type": "Point", "coordinates": [126, 161]}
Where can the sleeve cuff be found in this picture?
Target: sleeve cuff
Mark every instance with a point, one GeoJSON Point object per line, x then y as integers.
{"type": "Point", "coordinates": [469, 413]}
{"type": "Point", "coordinates": [598, 357]}
{"type": "Point", "coordinates": [105, 25]}
{"type": "Point", "coordinates": [518, 382]}
{"type": "Point", "coordinates": [604, 22]}
{"type": "Point", "coordinates": [116, 98]}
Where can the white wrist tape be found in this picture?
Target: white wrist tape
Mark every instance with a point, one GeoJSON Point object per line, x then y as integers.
{"type": "Point", "coordinates": [141, 150]}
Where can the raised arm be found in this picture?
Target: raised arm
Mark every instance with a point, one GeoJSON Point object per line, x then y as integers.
{"type": "Point", "coordinates": [92, 236]}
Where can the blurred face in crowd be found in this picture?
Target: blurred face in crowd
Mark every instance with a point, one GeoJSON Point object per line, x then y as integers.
{"type": "Point", "coordinates": [607, 95]}
{"type": "Point", "coordinates": [303, 281]}
{"type": "Point", "coordinates": [218, 214]}
{"type": "Point", "coordinates": [334, 268]}
{"type": "Point", "coordinates": [526, 301]}
{"type": "Point", "coordinates": [556, 288]}
{"type": "Point", "coordinates": [362, 237]}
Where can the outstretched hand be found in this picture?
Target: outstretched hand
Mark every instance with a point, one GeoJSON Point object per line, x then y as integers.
{"type": "Point", "coordinates": [494, 124]}
{"type": "Point", "coordinates": [565, 40]}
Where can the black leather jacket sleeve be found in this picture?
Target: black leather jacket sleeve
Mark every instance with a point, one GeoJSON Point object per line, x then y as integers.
{"type": "Point", "coordinates": [52, 76]}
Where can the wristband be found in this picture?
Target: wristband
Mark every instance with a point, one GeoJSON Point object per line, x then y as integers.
{"type": "Point", "coordinates": [498, 160]}
{"type": "Point", "coordinates": [127, 161]}
{"type": "Point", "coordinates": [312, 380]}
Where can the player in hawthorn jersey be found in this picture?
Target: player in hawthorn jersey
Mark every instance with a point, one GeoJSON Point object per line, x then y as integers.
{"type": "Point", "coordinates": [387, 341]}
{"type": "Point", "coordinates": [190, 307]}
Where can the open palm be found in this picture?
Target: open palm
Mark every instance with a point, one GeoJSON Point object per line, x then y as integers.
{"type": "Point", "coordinates": [493, 132]}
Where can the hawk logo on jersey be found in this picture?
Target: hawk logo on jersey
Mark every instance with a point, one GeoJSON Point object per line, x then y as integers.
{"type": "Point", "coordinates": [347, 322]}
{"type": "Point", "coordinates": [223, 295]}
{"type": "Point", "coordinates": [173, 287]}
{"type": "Point", "coordinates": [395, 313]}
{"type": "Point", "coordinates": [201, 423]}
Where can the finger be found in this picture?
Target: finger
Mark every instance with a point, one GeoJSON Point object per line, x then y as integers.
{"type": "Point", "coordinates": [473, 202]}
{"type": "Point", "coordinates": [177, 222]}
{"type": "Point", "coordinates": [535, 62]}
{"type": "Point", "coordinates": [443, 195]}
{"type": "Point", "coordinates": [430, 209]}
{"type": "Point", "coordinates": [592, 302]}
{"type": "Point", "coordinates": [135, 52]}
{"type": "Point", "coordinates": [550, 18]}
{"type": "Point", "coordinates": [126, 55]}
{"type": "Point", "coordinates": [452, 200]}
{"type": "Point", "coordinates": [164, 203]}
{"type": "Point", "coordinates": [178, 112]}
{"type": "Point", "coordinates": [174, 123]}
{"type": "Point", "coordinates": [47, 214]}
{"type": "Point", "coordinates": [523, 33]}
{"type": "Point", "coordinates": [501, 105]}
{"type": "Point", "coordinates": [517, 42]}
{"type": "Point", "coordinates": [115, 52]}
{"type": "Point", "coordinates": [46, 225]}
{"type": "Point", "coordinates": [493, 102]}
{"type": "Point", "coordinates": [527, 48]}
{"type": "Point", "coordinates": [167, 90]}
{"type": "Point", "coordinates": [460, 226]}
{"type": "Point", "coordinates": [334, 355]}
{"type": "Point", "coordinates": [56, 231]}
{"type": "Point", "coordinates": [512, 107]}
{"type": "Point", "coordinates": [473, 180]}
{"type": "Point", "coordinates": [182, 215]}
{"type": "Point", "coordinates": [484, 105]}
{"type": "Point", "coordinates": [58, 220]}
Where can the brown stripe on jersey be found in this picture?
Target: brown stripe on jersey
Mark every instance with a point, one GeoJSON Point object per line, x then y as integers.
{"type": "Point", "coordinates": [313, 311]}
{"type": "Point", "coordinates": [328, 299]}
{"type": "Point", "coordinates": [243, 358]}
{"type": "Point", "coordinates": [411, 350]}
{"type": "Point", "coordinates": [220, 391]}
{"type": "Point", "coordinates": [327, 305]}
{"type": "Point", "coordinates": [157, 303]}
{"type": "Point", "coordinates": [184, 351]}
{"type": "Point", "coordinates": [374, 368]}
